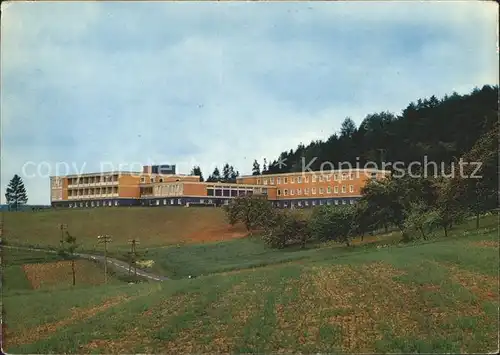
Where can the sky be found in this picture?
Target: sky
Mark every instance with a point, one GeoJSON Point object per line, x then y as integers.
{"type": "Point", "coordinates": [99, 86]}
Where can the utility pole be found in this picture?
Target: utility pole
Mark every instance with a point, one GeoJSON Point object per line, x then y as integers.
{"type": "Point", "coordinates": [133, 254]}
{"type": "Point", "coordinates": [62, 227]}
{"type": "Point", "coordinates": [105, 239]}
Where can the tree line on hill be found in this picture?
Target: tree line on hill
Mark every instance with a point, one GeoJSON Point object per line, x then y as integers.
{"type": "Point", "coordinates": [441, 129]}
{"type": "Point", "coordinates": [414, 203]}
{"type": "Point", "coordinates": [229, 174]}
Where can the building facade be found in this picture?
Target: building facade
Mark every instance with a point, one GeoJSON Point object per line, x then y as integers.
{"type": "Point", "coordinates": [308, 189]}
{"type": "Point", "coordinates": [152, 188]}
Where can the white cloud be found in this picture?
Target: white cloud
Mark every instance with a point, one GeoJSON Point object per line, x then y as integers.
{"type": "Point", "coordinates": [215, 83]}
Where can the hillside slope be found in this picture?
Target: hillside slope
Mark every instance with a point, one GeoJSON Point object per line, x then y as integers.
{"type": "Point", "coordinates": [434, 297]}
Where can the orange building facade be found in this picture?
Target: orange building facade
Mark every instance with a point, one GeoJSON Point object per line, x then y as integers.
{"type": "Point", "coordinates": [147, 188]}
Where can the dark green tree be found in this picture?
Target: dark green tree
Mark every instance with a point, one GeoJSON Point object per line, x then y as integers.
{"type": "Point", "coordinates": [255, 168]}
{"type": "Point", "coordinates": [215, 177]}
{"type": "Point", "coordinates": [196, 171]}
{"type": "Point", "coordinates": [16, 195]}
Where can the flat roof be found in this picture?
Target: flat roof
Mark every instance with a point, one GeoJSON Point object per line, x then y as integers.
{"type": "Point", "coordinates": [316, 172]}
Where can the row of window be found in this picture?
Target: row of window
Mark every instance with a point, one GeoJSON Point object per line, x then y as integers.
{"type": "Point", "coordinates": [313, 203]}
{"type": "Point", "coordinates": [93, 179]}
{"type": "Point", "coordinates": [93, 204]}
{"type": "Point", "coordinates": [313, 190]}
{"type": "Point", "coordinates": [93, 192]}
{"type": "Point", "coordinates": [300, 179]}
{"type": "Point", "coordinates": [235, 192]}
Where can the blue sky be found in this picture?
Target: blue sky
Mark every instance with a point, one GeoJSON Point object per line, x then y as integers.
{"type": "Point", "coordinates": [87, 85]}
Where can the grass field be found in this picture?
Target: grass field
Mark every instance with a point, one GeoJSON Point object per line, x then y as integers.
{"type": "Point", "coordinates": [203, 259]}
{"type": "Point", "coordinates": [37, 270]}
{"type": "Point", "coordinates": [154, 227]}
{"type": "Point", "coordinates": [440, 296]}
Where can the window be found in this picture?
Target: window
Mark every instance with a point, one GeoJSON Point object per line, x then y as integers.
{"type": "Point", "coordinates": [258, 181]}
{"type": "Point", "coordinates": [343, 189]}
{"type": "Point", "coordinates": [285, 192]}
{"type": "Point", "coordinates": [279, 192]}
{"type": "Point", "coordinates": [336, 202]}
{"type": "Point", "coordinates": [299, 191]}
{"type": "Point", "coordinates": [306, 203]}
{"type": "Point", "coordinates": [299, 179]}
{"type": "Point", "coordinates": [306, 191]}
{"type": "Point", "coordinates": [314, 203]}
{"type": "Point", "coordinates": [321, 202]}
{"type": "Point", "coordinates": [344, 202]}
{"type": "Point", "coordinates": [98, 203]}
{"type": "Point", "coordinates": [292, 180]}
{"type": "Point", "coordinates": [285, 180]}
{"type": "Point", "coordinates": [336, 177]}
{"type": "Point", "coordinates": [172, 201]}
{"type": "Point", "coordinates": [179, 201]}
{"type": "Point", "coordinates": [157, 202]}
{"type": "Point", "coordinates": [329, 202]}
{"type": "Point", "coordinates": [161, 179]}
{"type": "Point", "coordinates": [321, 178]}
{"type": "Point", "coordinates": [278, 180]}
{"type": "Point", "coordinates": [265, 181]}
{"type": "Point", "coordinates": [351, 202]}
{"type": "Point", "coordinates": [152, 179]}
{"type": "Point", "coordinates": [328, 177]}
{"type": "Point", "coordinates": [271, 180]}
{"type": "Point", "coordinates": [292, 192]}
{"type": "Point", "coordinates": [313, 178]}
{"type": "Point", "coordinates": [202, 200]}
{"type": "Point", "coordinates": [299, 204]}
{"type": "Point", "coordinates": [344, 176]}
{"type": "Point", "coordinates": [116, 203]}
{"type": "Point", "coordinates": [351, 188]}
{"type": "Point", "coordinates": [351, 177]}
{"type": "Point", "coordinates": [321, 190]}
{"type": "Point", "coordinates": [336, 189]}
{"type": "Point", "coordinates": [329, 189]}
{"type": "Point", "coordinates": [210, 201]}
{"type": "Point", "coordinates": [109, 203]}
{"type": "Point", "coordinates": [313, 191]}
{"type": "Point", "coordinates": [92, 204]}
{"type": "Point", "coordinates": [306, 179]}
{"type": "Point", "coordinates": [164, 202]}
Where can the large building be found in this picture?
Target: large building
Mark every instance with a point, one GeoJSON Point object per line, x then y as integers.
{"type": "Point", "coordinates": [161, 186]}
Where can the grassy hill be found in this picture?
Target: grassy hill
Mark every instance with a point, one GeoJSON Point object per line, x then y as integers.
{"type": "Point", "coordinates": [440, 296]}
{"type": "Point", "coordinates": [154, 227]}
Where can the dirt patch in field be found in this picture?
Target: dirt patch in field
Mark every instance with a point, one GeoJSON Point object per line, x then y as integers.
{"type": "Point", "coordinates": [28, 336]}
{"type": "Point", "coordinates": [359, 304]}
{"type": "Point", "coordinates": [221, 233]}
{"type": "Point", "coordinates": [57, 273]}
{"type": "Point", "coordinates": [485, 287]}
{"type": "Point", "coordinates": [486, 244]}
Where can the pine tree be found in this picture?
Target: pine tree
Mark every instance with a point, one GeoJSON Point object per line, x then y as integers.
{"type": "Point", "coordinates": [256, 168]}
{"type": "Point", "coordinates": [215, 177]}
{"type": "Point", "coordinates": [226, 173]}
{"type": "Point", "coordinates": [15, 194]}
{"type": "Point", "coordinates": [196, 171]}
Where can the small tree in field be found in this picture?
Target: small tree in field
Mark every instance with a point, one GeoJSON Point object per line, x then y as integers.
{"type": "Point", "coordinates": [283, 227]}
{"type": "Point", "coordinates": [16, 195]}
{"type": "Point", "coordinates": [333, 223]}
{"type": "Point", "coordinates": [252, 211]}
{"type": "Point", "coordinates": [67, 251]}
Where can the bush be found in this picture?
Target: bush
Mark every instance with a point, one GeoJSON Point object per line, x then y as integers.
{"type": "Point", "coordinates": [333, 223]}
{"type": "Point", "coordinates": [284, 227]}
{"type": "Point", "coordinates": [252, 211]}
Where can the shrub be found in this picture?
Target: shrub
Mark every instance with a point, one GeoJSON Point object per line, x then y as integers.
{"type": "Point", "coordinates": [333, 223]}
